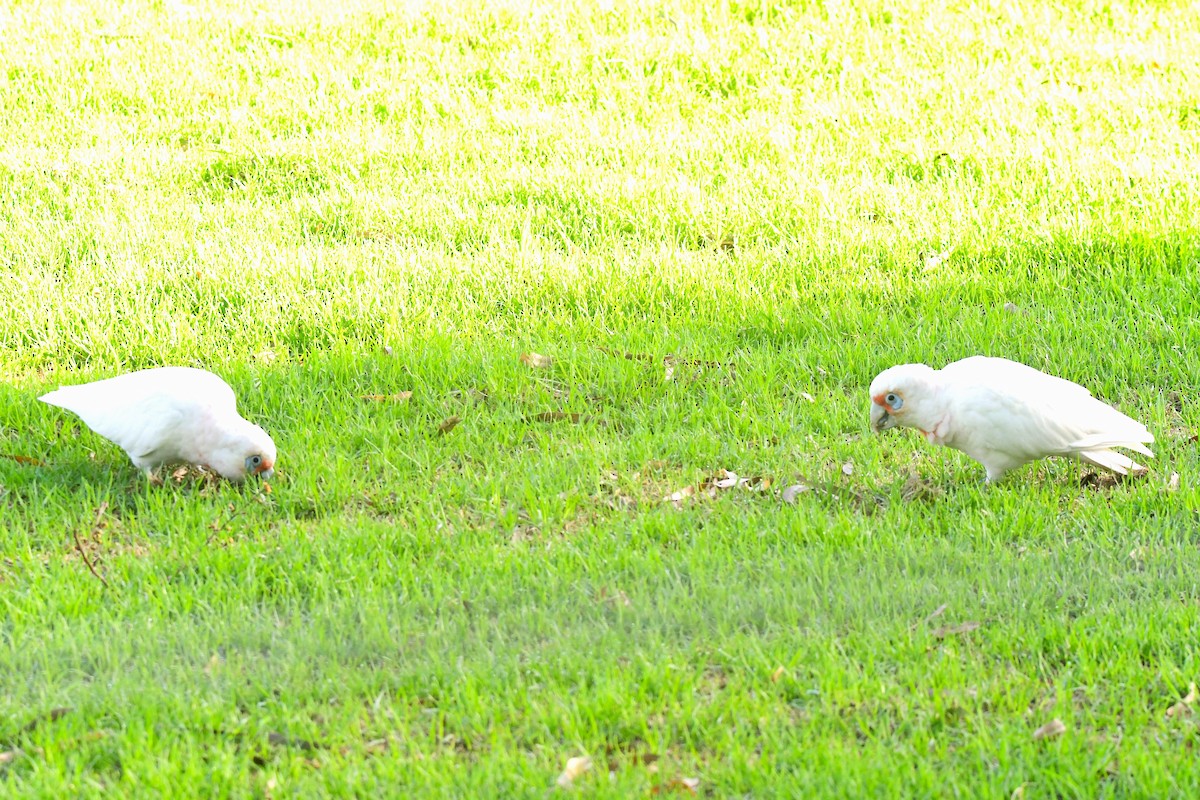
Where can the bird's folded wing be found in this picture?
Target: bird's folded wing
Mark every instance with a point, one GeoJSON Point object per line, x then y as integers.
{"type": "Point", "coordinates": [1013, 377]}
{"type": "Point", "coordinates": [139, 427]}
{"type": "Point", "coordinates": [1017, 419]}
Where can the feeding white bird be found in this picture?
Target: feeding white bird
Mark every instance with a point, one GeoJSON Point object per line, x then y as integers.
{"type": "Point", "coordinates": [1004, 414]}
{"type": "Point", "coordinates": [172, 415]}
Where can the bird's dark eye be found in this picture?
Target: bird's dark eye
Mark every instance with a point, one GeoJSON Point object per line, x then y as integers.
{"type": "Point", "coordinates": [894, 400]}
{"type": "Point", "coordinates": [253, 462]}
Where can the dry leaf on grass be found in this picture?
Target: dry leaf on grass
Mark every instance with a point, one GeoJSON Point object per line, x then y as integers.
{"type": "Point", "coordinates": [680, 494]}
{"type": "Point", "coordinates": [684, 785]}
{"type": "Point", "coordinates": [955, 630]}
{"type": "Point", "coordinates": [448, 425]}
{"type": "Point", "coordinates": [778, 674]}
{"type": "Point", "coordinates": [1013, 308]}
{"type": "Point", "coordinates": [808, 397]}
{"type": "Point", "coordinates": [1054, 727]}
{"type": "Point", "coordinates": [575, 767]}
{"type": "Point", "coordinates": [668, 368]}
{"type": "Point", "coordinates": [1184, 706]}
{"type": "Point", "coordinates": [27, 460]}
{"type": "Point", "coordinates": [711, 485]}
{"type": "Point", "coordinates": [724, 479]}
{"type": "Point", "coordinates": [794, 491]}
{"type": "Point", "coordinates": [384, 398]}
{"type": "Point", "coordinates": [848, 469]}
{"type": "Point", "coordinates": [1173, 483]}
{"type": "Point", "coordinates": [536, 360]}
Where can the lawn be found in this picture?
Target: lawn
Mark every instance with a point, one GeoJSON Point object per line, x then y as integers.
{"type": "Point", "coordinates": [632, 248]}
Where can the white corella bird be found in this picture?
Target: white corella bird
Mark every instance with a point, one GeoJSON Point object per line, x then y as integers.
{"type": "Point", "coordinates": [1004, 414]}
{"type": "Point", "coordinates": [172, 415]}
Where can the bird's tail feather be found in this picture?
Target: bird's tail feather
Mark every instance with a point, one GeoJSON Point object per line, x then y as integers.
{"type": "Point", "coordinates": [1103, 441]}
{"type": "Point", "coordinates": [59, 397]}
{"type": "Point", "coordinates": [1112, 460]}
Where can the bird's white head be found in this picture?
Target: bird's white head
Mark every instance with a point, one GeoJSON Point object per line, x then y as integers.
{"type": "Point", "coordinates": [245, 449]}
{"type": "Point", "coordinates": [899, 395]}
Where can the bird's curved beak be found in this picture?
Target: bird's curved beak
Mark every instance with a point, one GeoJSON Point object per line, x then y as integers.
{"type": "Point", "coordinates": [881, 420]}
{"type": "Point", "coordinates": [267, 474]}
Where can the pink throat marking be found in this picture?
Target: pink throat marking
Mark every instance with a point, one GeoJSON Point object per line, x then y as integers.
{"type": "Point", "coordinates": [937, 432]}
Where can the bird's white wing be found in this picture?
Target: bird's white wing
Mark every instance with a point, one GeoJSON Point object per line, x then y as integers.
{"type": "Point", "coordinates": [145, 412]}
{"type": "Point", "coordinates": [1019, 409]}
{"type": "Point", "coordinates": [1013, 376]}
{"type": "Point", "coordinates": [184, 384]}
{"type": "Point", "coordinates": [989, 418]}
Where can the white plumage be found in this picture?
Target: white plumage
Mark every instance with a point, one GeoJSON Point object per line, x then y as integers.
{"type": "Point", "coordinates": [1004, 414]}
{"type": "Point", "coordinates": [172, 415]}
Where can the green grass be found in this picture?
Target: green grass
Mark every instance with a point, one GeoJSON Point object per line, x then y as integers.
{"type": "Point", "coordinates": [340, 200]}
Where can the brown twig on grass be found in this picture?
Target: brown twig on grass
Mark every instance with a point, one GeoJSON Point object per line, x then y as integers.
{"type": "Point", "coordinates": [79, 545]}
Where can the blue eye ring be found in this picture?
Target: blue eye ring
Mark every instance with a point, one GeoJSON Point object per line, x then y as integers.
{"type": "Point", "coordinates": [894, 401]}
